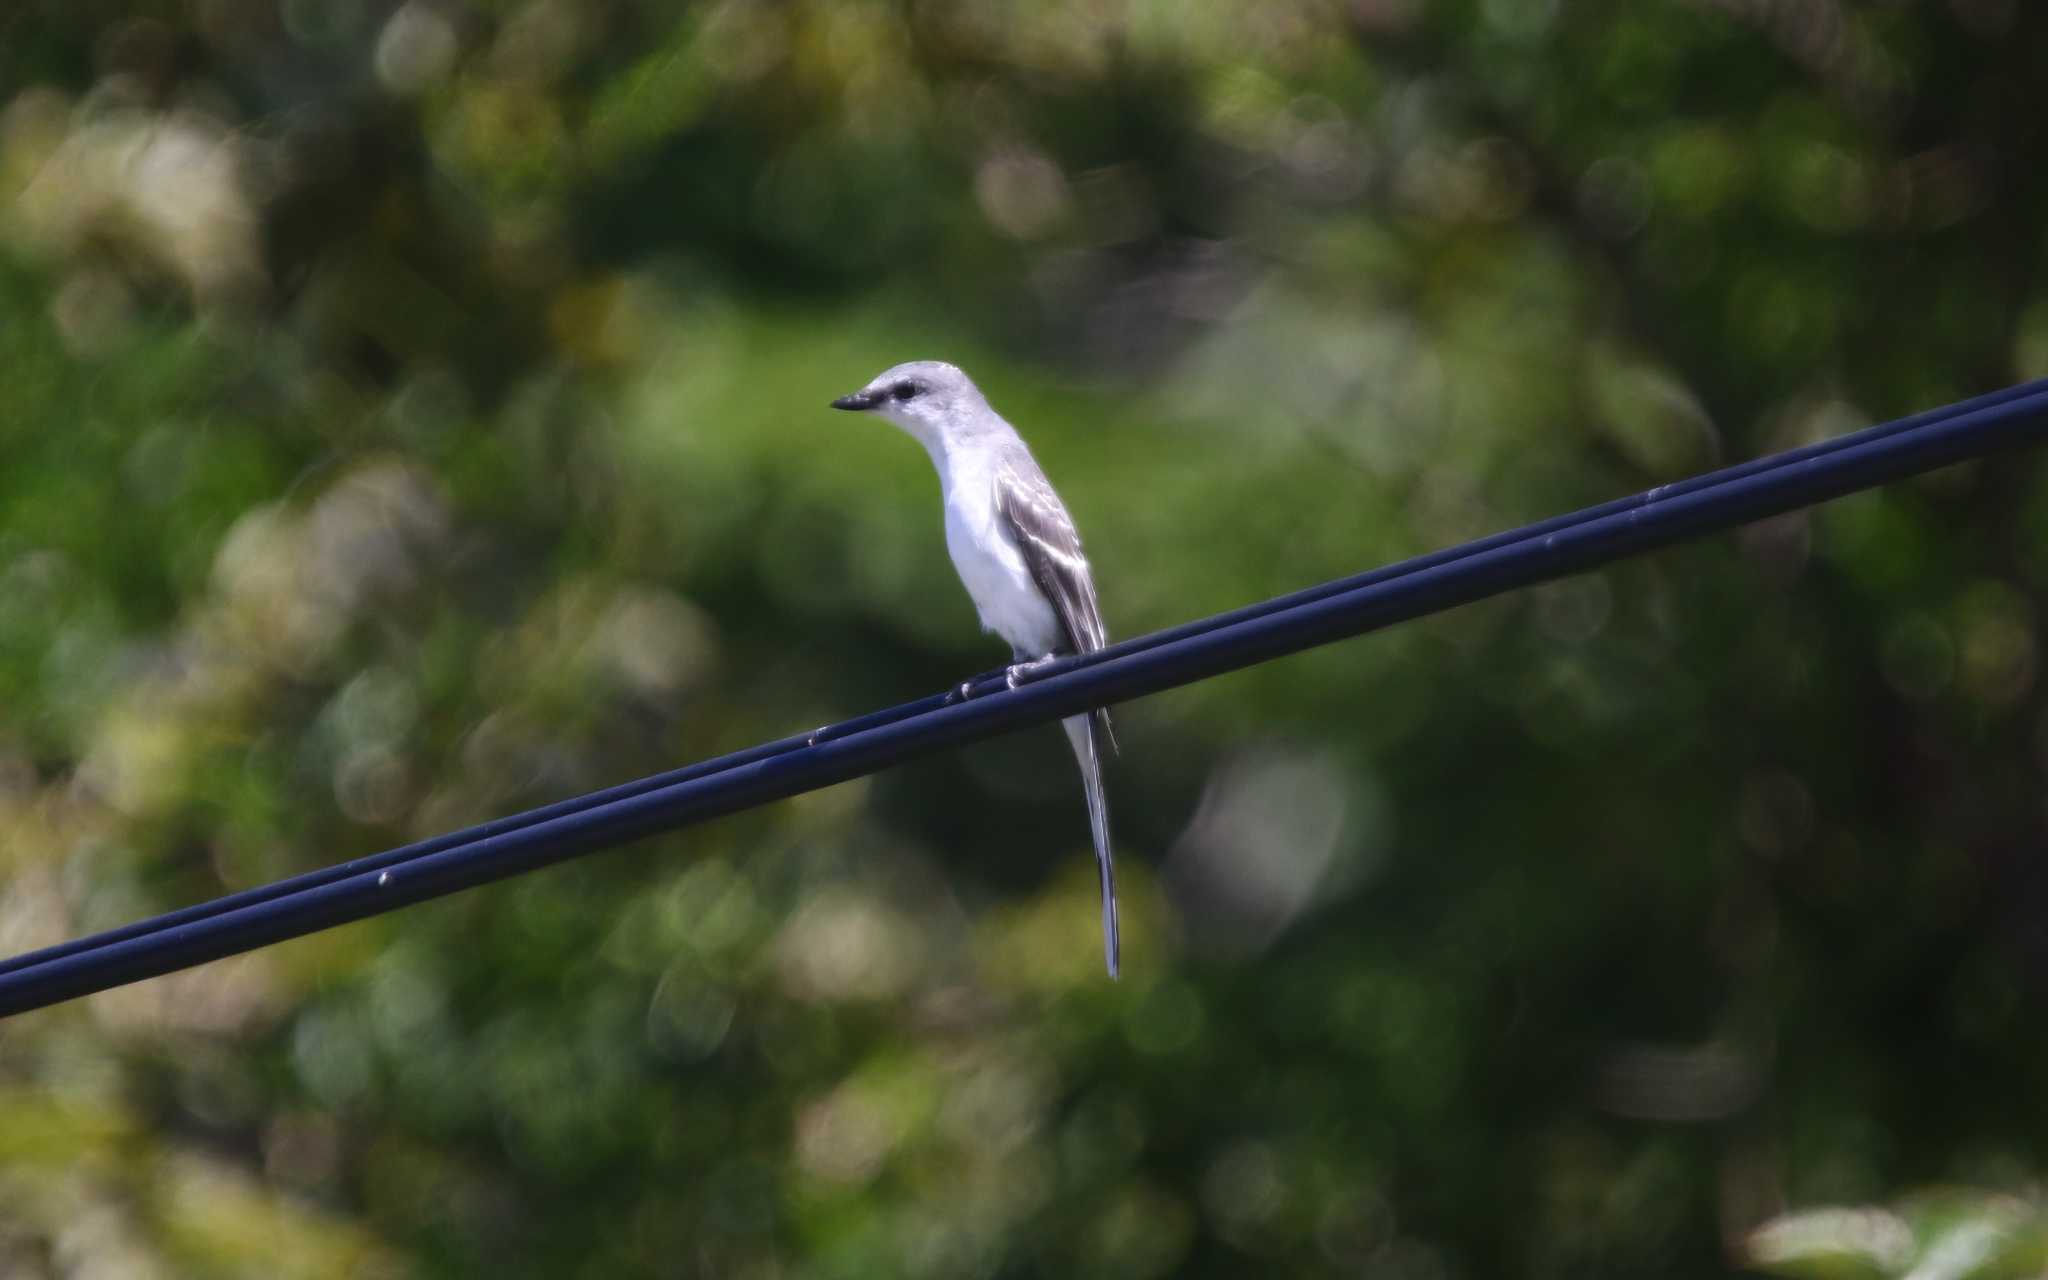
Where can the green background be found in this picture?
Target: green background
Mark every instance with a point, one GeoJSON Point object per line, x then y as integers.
{"type": "Point", "coordinates": [414, 413]}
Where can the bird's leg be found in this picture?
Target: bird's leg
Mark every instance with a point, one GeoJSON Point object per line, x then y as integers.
{"type": "Point", "coordinates": [966, 687]}
{"type": "Point", "coordinates": [1013, 675]}
{"type": "Point", "coordinates": [1017, 672]}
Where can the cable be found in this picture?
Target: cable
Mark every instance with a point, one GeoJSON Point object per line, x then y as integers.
{"type": "Point", "coordinates": [1565, 544]}
{"type": "Point", "coordinates": [989, 684]}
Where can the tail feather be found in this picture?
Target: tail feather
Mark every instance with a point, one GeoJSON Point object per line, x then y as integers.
{"type": "Point", "coordinates": [1081, 734]}
{"type": "Point", "coordinates": [1106, 733]}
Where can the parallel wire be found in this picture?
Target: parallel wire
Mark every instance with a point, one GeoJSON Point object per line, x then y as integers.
{"type": "Point", "coordinates": [1350, 606]}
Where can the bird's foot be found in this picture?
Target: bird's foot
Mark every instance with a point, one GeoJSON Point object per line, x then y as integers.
{"type": "Point", "coordinates": [1018, 672]}
{"type": "Point", "coordinates": [965, 689]}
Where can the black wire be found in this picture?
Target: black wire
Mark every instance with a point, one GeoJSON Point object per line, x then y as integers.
{"type": "Point", "coordinates": [1565, 544]}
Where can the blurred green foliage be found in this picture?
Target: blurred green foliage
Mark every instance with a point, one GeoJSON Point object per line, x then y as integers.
{"type": "Point", "coordinates": [415, 412]}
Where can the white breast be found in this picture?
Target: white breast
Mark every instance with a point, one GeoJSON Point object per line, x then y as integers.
{"type": "Point", "coordinates": [993, 569]}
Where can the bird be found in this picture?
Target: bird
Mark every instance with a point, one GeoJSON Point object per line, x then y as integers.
{"type": "Point", "coordinates": [1017, 553]}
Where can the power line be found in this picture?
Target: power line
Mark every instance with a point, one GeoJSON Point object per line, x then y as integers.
{"type": "Point", "coordinates": [1146, 664]}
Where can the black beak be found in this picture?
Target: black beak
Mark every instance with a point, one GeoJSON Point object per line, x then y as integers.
{"type": "Point", "coordinates": [858, 400]}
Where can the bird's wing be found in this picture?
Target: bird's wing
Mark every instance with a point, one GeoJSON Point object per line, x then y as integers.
{"type": "Point", "coordinates": [1039, 524]}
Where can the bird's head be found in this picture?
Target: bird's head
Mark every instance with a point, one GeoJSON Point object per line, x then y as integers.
{"type": "Point", "coordinates": [927, 398]}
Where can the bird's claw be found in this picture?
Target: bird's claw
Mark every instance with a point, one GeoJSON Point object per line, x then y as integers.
{"type": "Point", "coordinates": [965, 690]}
{"type": "Point", "coordinates": [1018, 672]}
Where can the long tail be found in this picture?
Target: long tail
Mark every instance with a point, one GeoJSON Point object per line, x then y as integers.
{"type": "Point", "coordinates": [1081, 733]}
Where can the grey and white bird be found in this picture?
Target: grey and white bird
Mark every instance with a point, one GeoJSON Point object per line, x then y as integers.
{"type": "Point", "coordinates": [1016, 550]}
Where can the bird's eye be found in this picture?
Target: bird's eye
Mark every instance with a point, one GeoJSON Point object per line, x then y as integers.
{"type": "Point", "coordinates": [903, 390]}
